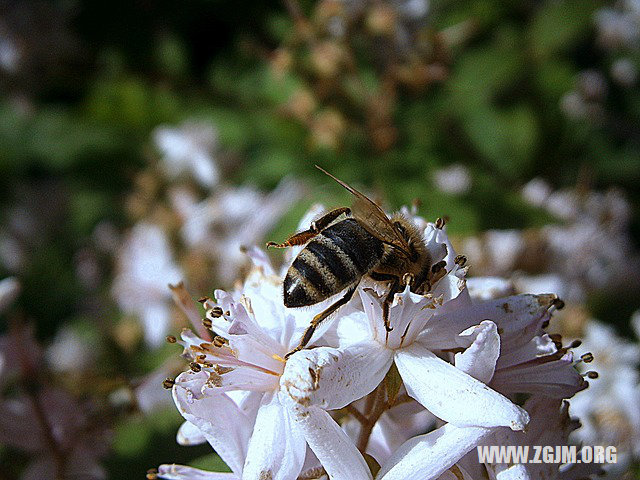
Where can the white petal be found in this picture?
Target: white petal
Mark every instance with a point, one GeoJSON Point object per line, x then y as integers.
{"type": "Point", "coordinates": [182, 472]}
{"type": "Point", "coordinates": [336, 452]}
{"type": "Point", "coordinates": [189, 434]}
{"type": "Point", "coordinates": [219, 419]}
{"type": "Point", "coordinates": [427, 456]}
{"type": "Point", "coordinates": [513, 472]}
{"type": "Point", "coordinates": [333, 378]}
{"type": "Point", "coordinates": [277, 447]}
{"type": "Point", "coordinates": [479, 359]}
{"type": "Point", "coordinates": [452, 395]}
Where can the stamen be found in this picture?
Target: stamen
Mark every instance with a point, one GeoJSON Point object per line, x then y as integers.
{"type": "Point", "coordinates": [216, 312]}
{"type": "Point", "coordinates": [171, 339]}
{"type": "Point", "coordinates": [275, 356]}
{"type": "Point", "coordinates": [441, 222]}
{"type": "Point", "coordinates": [587, 357]}
{"type": "Point", "coordinates": [195, 367]}
{"type": "Point", "coordinates": [592, 375]}
{"type": "Point", "coordinates": [207, 323]}
{"type": "Point", "coordinates": [575, 344]}
{"type": "Point", "coordinates": [168, 383]}
{"type": "Point", "coordinates": [460, 260]}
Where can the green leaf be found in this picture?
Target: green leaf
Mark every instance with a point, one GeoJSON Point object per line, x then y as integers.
{"type": "Point", "coordinates": [392, 383]}
{"type": "Point", "coordinates": [561, 25]}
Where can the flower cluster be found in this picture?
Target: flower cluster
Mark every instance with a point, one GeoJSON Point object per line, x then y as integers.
{"type": "Point", "coordinates": [591, 251]}
{"type": "Point", "coordinates": [190, 224]}
{"type": "Point", "coordinates": [362, 402]}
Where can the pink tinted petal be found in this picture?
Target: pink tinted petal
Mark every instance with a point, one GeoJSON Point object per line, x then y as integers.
{"type": "Point", "coordinates": [336, 452]}
{"type": "Point", "coordinates": [184, 301]}
{"type": "Point", "coordinates": [189, 434]}
{"type": "Point", "coordinates": [428, 456]}
{"type": "Point", "coordinates": [518, 317]}
{"type": "Point", "coordinates": [556, 378]}
{"type": "Point", "coordinates": [219, 419]}
{"type": "Point", "coordinates": [181, 472]}
{"type": "Point", "coordinates": [277, 447]}
{"type": "Point", "coordinates": [452, 395]}
{"type": "Point", "coordinates": [479, 359]}
{"type": "Point", "coordinates": [333, 378]}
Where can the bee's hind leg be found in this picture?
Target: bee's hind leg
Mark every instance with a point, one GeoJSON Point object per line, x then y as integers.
{"type": "Point", "coordinates": [308, 333]}
{"type": "Point", "coordinates": [316, 227]}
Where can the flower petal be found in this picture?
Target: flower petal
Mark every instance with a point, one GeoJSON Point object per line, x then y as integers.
{"type": "Point", "coordinates": [427, 456]}
{"type": "Point", "coordinates": [333, 378]}
{"type": "Point", "coordinates": [277, 447]}
{"type": "Point", "coordinates": [452, 395]}
{"type": "Point", "coordinates": [479, 359]}
{"type": "Point", "coordinates": [336, 452]}
{"type": "Point", "coordinates": [224, 425]}
{"type": "Point", "coordinates": [182, 472]}
{"type": "Point", "coordinates": [189, 434]}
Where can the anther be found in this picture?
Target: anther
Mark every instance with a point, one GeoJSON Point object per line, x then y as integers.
{"type": "Point", "coordinates": [438, 266]}
{"type": "Point", "coordinates": [168, 383]}
{"type": "Point", "coordinates": [575, 344]}
{"type": "Point", "coordinates": [171, 339]}
{"type": "Point", "coordinates": [207, 323]}
{"type": "Point", "coordinates": [587, 357]}
{"type": "Point", "coordinates": [440, 223]}
{"type": "Point", "coordinates": [558, 303]}
{"type": "Point", "coordinates": [219, 341]}
{"type": "Point", "coordinates": [216, 312]}
{"type": "Point", "coordinates": [152, 474]}
{"type": "Point", "coordinates": [592, 375]}
{"type": "Point", "coordinates": [460, 260]}
{"type": "Point", "coordinates": [195, 367]}
{"type": "Point", "coordinates": [545, 324]}
{"type": "Point", "coordinates": [203, 299]}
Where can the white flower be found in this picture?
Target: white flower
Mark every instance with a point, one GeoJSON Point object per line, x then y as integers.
{"type": "Point", "coordinates": [145, 267]}
{"type": "Point", "coordinates": [189, 148]}
{"type": "Point", "coordinates": [257, 437]}
{"type": "Point", "coordinates": [9, 290]}
{"type": "Point", "coordinates": [366, 354]}
{"type": "Point", "coordinates": [609, 409]}
{"type": "Point", "coordinates": [453, 179]}
{"type": "Point", "coordinates": [232, 218]}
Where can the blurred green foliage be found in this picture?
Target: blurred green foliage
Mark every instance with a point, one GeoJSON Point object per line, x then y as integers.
{"type": "Point", "coordinates": [83, 131]}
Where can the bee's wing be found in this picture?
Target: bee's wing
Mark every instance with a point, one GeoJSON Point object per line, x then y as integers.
{"type": "Point", "coordinates": [373, 217]}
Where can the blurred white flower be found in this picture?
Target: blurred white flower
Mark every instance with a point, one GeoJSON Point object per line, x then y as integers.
{"type": "Point", "coordinates": [145, 267]}
{"type": "Point", "coordinates": [9, 290]}
{"type": "Point", "coordinates": [536, 192]}
{"type": "Point", "coordinates": [189, 148]}
{"type": "Point", "coordinates": [454, 179]}
{"type": "Point", "coordinates": [625, 72]}
{"type": "Point", "coordinates": [69, 352]}
{"type": "Point", "coordinates": [232, 218]}
{"type": "Point", "coordinates": [609, 409]}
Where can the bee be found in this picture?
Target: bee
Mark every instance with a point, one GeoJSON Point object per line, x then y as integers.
{"type": "Point", "coordinates": [348, 244]}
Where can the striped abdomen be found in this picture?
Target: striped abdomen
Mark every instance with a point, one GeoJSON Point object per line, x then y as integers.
{"type": "Point", "coordinates": [333, 260]}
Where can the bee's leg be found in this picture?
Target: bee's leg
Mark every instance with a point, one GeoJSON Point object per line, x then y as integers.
{"type": "Point", "coordinates": [395, 288]}
{"type": "Point", "coordinates": [316, 227]}
{"type": "Point", "coordinates": [308, 333]}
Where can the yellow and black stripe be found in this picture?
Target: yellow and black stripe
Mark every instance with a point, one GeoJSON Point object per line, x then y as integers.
{"type": "Point", "coordinates": [333, 260]}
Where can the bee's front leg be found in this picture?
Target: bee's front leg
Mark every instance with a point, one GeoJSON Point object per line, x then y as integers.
{"type": "Point", "coordinates": [395, 288]}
